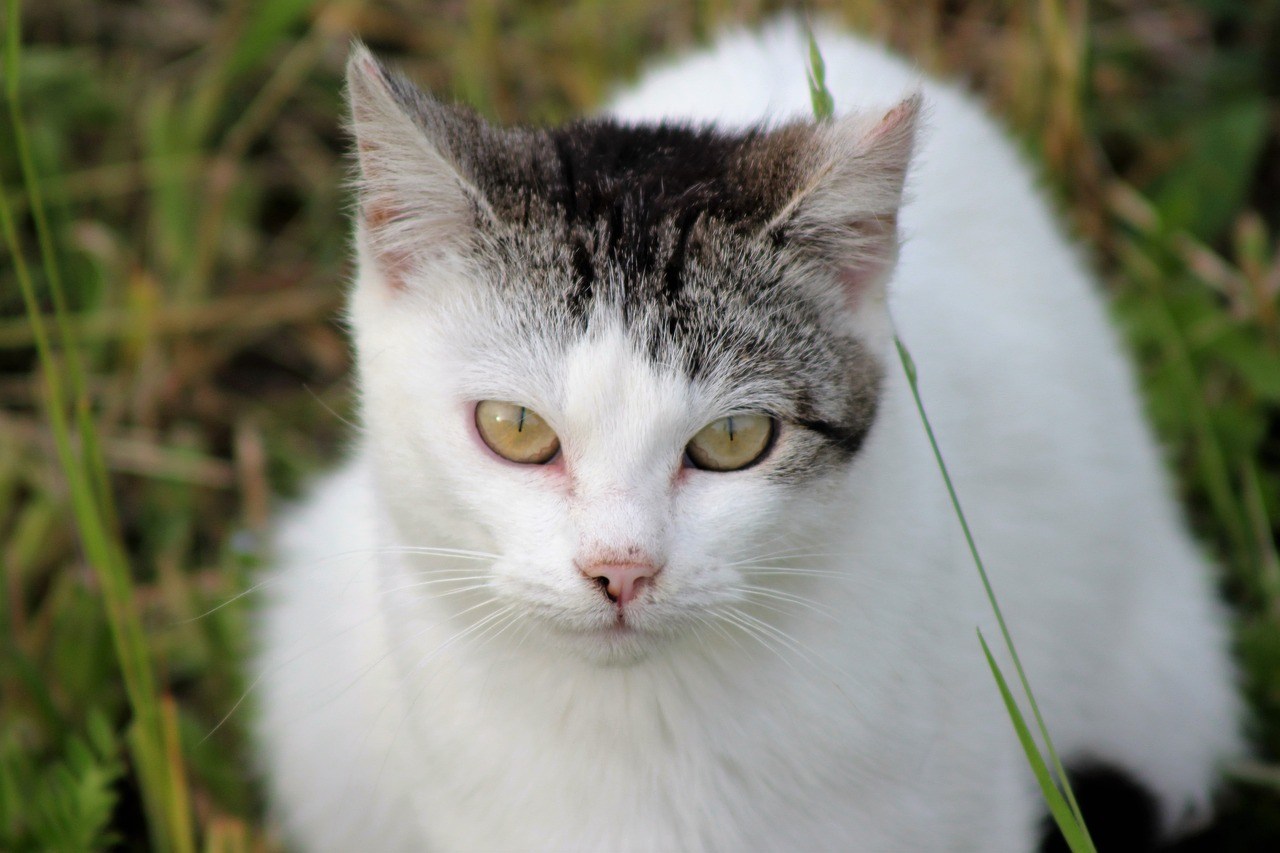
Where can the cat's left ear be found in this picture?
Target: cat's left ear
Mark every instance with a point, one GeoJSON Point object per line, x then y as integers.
{"type": "Point", "coordinates": [843, 216]}
{"type": "Point", "coordinates": [417, 201]}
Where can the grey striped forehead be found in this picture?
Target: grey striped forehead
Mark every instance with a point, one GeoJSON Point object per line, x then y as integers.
{"type": "Point", "coordinates": [736, 318]}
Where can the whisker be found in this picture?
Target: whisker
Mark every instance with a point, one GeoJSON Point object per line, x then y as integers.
{"type": "Point", "coordinates": [720, 629]}
{"type": "Point", "coordinates": [276, 668]}
{"type": "Point", "coordinates": [475, 626]}
{"type": "Point", "coordinates": [754, 633]}
{"type": "Point", "coordinates": [788, 554]}
{"type": "Point", "coordinates": [787, 570]}
{"type": "Point", "coordinates": [262, 584]}
{"type": "Point", "coordinates": [236, 705]}
{"type": "Point", "coordinates": [811, 657]}
{"type": "Point", "coordinates": [779, 595]}
{"type": "Point", "coordinates": [276, 578]}
{"type": "Point", "coordinates": [790, 642]}
{"type": "Point", "coordinates": [410, 639]}
{"type": "Point", "coordinates": [782, 636]}
{"type": "Point", "coordinates": [483, 621]}
{"type": "Point", "coordinates": [359, 428]}
{"type": "Point", "coordinates": [771, 607]}
{"type": "Point", "coordinates": [471, 588]}
{"type": "Point", "coordinates": [528, 626]}
{"type": "Point", "coordinates": [439, 552]}
{"type": "Point", "coordinates": [417, 584]}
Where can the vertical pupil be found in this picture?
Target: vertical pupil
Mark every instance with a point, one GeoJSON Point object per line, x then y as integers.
{"type": "Point", "coordinates": [520, 423]}
{"type": "Point", "coordinates": [730, 420]}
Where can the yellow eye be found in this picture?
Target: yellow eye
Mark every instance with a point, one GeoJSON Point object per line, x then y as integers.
{"type": "Point", "coordinates": [731, 443]}
{"type": "Point", "coordinates": [515, 432]}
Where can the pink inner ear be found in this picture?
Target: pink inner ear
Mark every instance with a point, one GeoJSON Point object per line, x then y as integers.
{"type": "Point", "coordinates": [879, 238]}
{"type": "Point", "coordinates": [855, 281]}
{"type": "Point", "coordinates": [393, 263]}
{"type": "Point", "coordinates": [902, 113]}
{"type": "Point", "coordinates": [378, 215]}
{"type": "Point", "coordinates": [369, 67]}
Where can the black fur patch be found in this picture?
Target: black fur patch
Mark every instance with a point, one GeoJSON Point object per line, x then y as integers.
{"type": "Point", "coordinates": [642, 180]}
{"type": "Point", "coordinates": [637, 195]}
{"type": "Point", "coordinates": [1121, 815]}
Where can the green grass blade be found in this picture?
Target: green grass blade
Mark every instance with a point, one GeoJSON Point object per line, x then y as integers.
{"type": "Point", "coordinates": [86, 475]}
{"type": "Point", "coordinates": [1063, 815]}
{"type": "Point", "coordinates": [824, 105]}
{"type": "Point", "coordinates": [44, 237]}
{"type": "Point", "coordinates": [105, 559]}
{"type": "Point", "coordinates": [908, 365]}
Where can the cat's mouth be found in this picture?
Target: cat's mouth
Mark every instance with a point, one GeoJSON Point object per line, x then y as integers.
{"type": "Point", "coordinates": [602, 629]}
{"type": "Point", "coordinates": [618, 644]}
{"type": "Point", "coordinates": [618, 631]}
{"type": "Point", "coordinates": [627, 636]}
{"type": "Point", "coordinates": [623, 626]}
{"type": "Point", "coordinates": [624, 622]}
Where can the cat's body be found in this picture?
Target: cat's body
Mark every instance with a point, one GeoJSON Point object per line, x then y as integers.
{"type": "Point", "coordinates": [845, 703]}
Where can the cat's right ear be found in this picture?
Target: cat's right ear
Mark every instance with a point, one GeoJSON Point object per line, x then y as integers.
{"type": "Point", "coordinates": [843, 215]}
{"type": "Point", "coordinates": [416, 204]}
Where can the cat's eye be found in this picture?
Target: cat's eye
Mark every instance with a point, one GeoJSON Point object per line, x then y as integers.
{"type": "Point", "coordinates": [731, 443]}
{"type": "Point", "coordinates": [516, 432]}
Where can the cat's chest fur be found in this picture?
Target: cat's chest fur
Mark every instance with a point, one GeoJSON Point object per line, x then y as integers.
{"type": "Point", "coordinates": [646, 637]}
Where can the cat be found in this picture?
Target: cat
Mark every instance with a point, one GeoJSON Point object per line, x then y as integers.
{"type": "Point", "coordinates": [642, 545]}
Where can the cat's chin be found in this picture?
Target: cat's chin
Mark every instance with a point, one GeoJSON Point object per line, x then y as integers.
{"type": "Point", "coordinates": [614, 644]}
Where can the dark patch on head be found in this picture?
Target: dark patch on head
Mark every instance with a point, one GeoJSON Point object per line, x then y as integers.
{"type": "Point", "coordinates": [662, 170]}
{"type": "Point", "coordinates": [642, 191]}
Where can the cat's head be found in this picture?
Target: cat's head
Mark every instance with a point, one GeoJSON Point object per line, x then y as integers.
{"type": "Point", "coordinates": [627, 360]}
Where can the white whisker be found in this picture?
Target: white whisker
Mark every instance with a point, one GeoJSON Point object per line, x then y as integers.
{"type": "Point", "coordinates": [386, 654]}
{"type": "Point", "coordinates": [778, 595]}
{"type": "Point", "coordinates": [787, 570]}
{"type": "Point", "coordinates": [789, 554]}
{"type": "Point", "coordinates": [733, 618]}
{"type": "Point", "coordinates": [418, 584]}
{"type": "Point", "coordinates": [470, 629]}
{"type": "Point", "coordinates": [280, 666]}
{"type": "Point", "coordinates": [439, 552]}
{"type": "Point", "coordinates": [455, 553]}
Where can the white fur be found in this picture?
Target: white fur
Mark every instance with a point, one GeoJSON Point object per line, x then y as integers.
{"type": "Point", "coordinates": [867, 718]}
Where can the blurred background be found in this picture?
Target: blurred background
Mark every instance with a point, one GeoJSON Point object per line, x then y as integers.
{"type": "Point", "coordinates": [175, 249]}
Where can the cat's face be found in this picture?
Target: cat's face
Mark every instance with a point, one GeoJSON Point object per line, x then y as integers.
{"type": "Point", "coordinates": [628, 362]}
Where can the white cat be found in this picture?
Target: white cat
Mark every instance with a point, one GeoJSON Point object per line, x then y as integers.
{"type": "Point", "coordinates": [642, 545]}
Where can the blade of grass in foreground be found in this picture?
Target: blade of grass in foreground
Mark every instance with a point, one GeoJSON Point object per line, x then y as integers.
{"type": "Point", "coordinates": [1077, 827]}
{"type": "Point", "coordinates": [1073, 830]}
{"type": "Point", "coordinates": [1065, 810]}
{"type": "Point", "coordinates": [151, 735]}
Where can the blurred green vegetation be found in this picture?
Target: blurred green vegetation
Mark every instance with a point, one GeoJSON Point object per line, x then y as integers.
{"type": "Point", "coordinates": [188, 161]}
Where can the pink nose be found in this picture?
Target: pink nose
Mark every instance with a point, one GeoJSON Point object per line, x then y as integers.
{"type": "Point", "coordinates": [620, 581]}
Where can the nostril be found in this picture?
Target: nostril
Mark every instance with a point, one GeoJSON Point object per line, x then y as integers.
{"type": "Point", "coordinates": [620, 582]}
